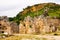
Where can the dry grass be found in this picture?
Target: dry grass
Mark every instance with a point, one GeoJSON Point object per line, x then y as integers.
{"type": "Point", "coordinates": [23, 37]}
{"type": "Point", "coordinates": [32, 37]}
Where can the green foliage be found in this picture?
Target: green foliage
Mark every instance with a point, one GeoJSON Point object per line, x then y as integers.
{"type": "Point", "coordinates": [10, 19]}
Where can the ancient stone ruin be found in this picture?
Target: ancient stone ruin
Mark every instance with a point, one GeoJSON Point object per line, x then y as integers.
{"type": "Point", "coordinates": [38, 25]}
{"type": "Point", "coordinates": [7, 27]}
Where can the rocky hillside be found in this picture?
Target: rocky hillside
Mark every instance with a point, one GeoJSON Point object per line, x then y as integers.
{"type": "Point", "coordinates": [38, 9]}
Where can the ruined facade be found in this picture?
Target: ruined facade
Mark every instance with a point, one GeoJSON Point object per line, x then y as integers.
{"type": "Point", "coordinates": [6, 26]}
{"type": "Point", "coordinates": [38, 25]}
{"type": "Point", "coordinates": [29, 25]}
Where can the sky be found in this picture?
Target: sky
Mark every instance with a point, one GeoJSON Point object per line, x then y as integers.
{"type": "Point", "coordinates": [11, 8]}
